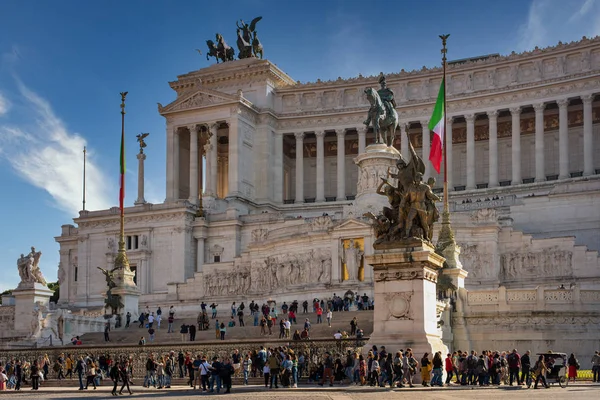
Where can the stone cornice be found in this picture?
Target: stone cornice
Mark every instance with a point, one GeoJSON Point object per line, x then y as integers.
{"type": "Point", "coordinates": [497, 61]}
{"type": "Point", "coordinates": [219, 74]}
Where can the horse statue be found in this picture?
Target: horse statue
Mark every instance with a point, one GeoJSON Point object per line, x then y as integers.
{"type": "Point", "coordinates": [244, 47]}
{"type": "Point", "coordinates": [224, 51]}
{"type": "Point", "coordinates": [212, 50]}
{"type": "Point", "coordinates": [380, 118]}
{"type": "Point", "coordinates": [257, 48]}
{"type": "Point", "coordinates": [113, 301]}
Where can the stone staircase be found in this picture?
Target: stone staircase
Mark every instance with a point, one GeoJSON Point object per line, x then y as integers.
{"type": "Point", "coordinates": [131, 336]}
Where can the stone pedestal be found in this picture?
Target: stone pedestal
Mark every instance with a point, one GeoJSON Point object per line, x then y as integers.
{"type": "Point", "coordinates": [373, 165]}
{"type": "Point", "coordinates": [29, 299]}
{"type": "Point", "coordinates": [405, 275]}
{"type": "Point", "coordinates": [128, 292]}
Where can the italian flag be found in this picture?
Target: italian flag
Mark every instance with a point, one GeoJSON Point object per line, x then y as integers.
{"type": "Point", "coordinates": [436, 124]}
{"type": "Point", "coordinates": [122, 171]}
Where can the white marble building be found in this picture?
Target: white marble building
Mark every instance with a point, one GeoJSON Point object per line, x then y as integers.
{"type": "Point", "coordinates": [524, 180]}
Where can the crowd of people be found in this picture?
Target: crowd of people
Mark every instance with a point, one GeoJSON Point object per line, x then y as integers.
{"type": "Point", "coordinates": [284, 367]}
{"type": "Point", "coordinates": [267, 316]}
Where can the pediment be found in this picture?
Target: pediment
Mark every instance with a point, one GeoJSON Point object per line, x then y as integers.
{"type": "Point", "coordinates": [199, 98]}
{"type": "Point", "coordinates": [352, 224]}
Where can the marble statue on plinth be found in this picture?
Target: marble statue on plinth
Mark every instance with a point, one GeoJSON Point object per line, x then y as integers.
{"type": "Point", "coordinates": [29, 269]}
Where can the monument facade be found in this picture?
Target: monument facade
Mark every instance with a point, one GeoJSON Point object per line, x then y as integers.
{"type": "Point", "coordinates": [268, 181]}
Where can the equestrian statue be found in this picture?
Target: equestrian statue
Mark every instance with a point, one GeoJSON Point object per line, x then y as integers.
{"type": "Point", "coordinates": [382, 113]}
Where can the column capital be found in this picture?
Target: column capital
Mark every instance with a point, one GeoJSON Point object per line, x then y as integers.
{"type": "Point", "coordinates": [515, 110]}
{"type": "Point", "coordinates": [207, 147]}
{"type": "Point", "coordinates": [424, 122]}
{"type": "Point", "coordinates": [362, 130]}
{"type": "Point", "coordinates": [340, 132]}
{"type": "Point", "coordinates": [193, 128]}
{"type": "Point", "coordinates": [587, 98]}
{"type": "Point", "coordinates": [141, 156]}
{"type": "Point", "coordinates": [320, 133]}
{"type": "Point", "coordinates": [402, 125]}
{"type": "Point", "coordinates": [213, 127]}
{"type": "Point", "coordinates": [277, 134]}
{"type": "Point", "coordinates": [470, 117]}
{"type": "Point", "coordinates": [449, 120]}
{"type": "Point", "coordinates": [562, 103]}
{"type": "Point", "coordinates": [539, 107]}
{"type": "Point", "coordinates": [299, 135]}
{"type": "Point", "coordinates": [492, 114]}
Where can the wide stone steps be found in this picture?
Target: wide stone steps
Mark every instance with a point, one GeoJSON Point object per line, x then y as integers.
{"type": "Point", "coordinates": [132, 335]}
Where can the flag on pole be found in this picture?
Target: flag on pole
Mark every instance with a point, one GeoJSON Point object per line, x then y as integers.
{"type": "Point", "coordinates": [122, 170]}
{"type": "Point", "coordinates": [436, 124]}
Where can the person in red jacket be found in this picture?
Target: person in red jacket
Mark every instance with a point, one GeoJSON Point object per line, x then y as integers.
{"type": "Point", "coordinates": [449, 367]}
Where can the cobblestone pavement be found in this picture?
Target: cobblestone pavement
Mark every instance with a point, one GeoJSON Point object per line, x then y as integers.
{"type": "Point", "coordinates": [580, 391]}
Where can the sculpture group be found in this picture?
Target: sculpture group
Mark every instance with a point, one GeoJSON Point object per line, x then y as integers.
{"type": "Point", "coordinates": [112, 301]}
{"type": "Point", "coordinates": [247, 43]}
{"type": "Point", "coordinates": [412, 210]}
{"type": "Point", "coordinates": [29, 269]}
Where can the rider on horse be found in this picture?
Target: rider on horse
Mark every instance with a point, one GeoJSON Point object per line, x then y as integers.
{"type": "Point", "coordinates": [387, 96]}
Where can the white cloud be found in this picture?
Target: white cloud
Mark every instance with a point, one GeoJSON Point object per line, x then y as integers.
{"type": "Point", "coordinates": [4, 105]}
{"type": "Point", "coordinates": [49, 157]}
{"type": "Point", "coordinates": [551, 21]}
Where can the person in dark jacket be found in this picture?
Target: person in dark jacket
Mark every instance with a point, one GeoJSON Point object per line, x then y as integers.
{"type": "Point", "coordinates": [124, 371]}
{"type": "Point", "coordinates": [35, 376]}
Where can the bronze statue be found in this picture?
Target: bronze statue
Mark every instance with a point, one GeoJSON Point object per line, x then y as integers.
{"type": "Point", "coordinates": [413, 211]}
{"type": "Point", "coordinates": [257, 48]}
{"type": "Point", "coordinates": [224, 51]}
{"type": "Point", "coordinates": [246, 39]}
{"type": "Point", "coordinates": [382, 113]}
{"type": "Point", "coordinates": [212, 50]}
{"type": "Point", "coordinates": [111, 301]}
{"type": "Point", "coordinates": [141, 141]}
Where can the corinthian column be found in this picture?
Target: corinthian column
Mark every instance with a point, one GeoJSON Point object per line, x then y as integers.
{"type": "Point", "coordinates": [213, 159]}
{"type": "Point", "coordinates": [193, 164]}
{"type": "Point", "coordinates": [493, 130]}
{"type": "Point", "coordinates": [170, 167]}
{"type": "Point", "coordinates": [299, 167]}
{"type": "Point", "coordinates": [362, 139]}
{"type": "Point", "coordinates": [540, 174]}
{"type": "Point", "coordinates": [341, 164]}
{"type": "Point", "coordinates": [140, 199]}
{"type": "Point", "coordinates": [404, 141]}
{"type": "Point", "coordinates": [320, 166]}
{"type": "Point", "coordinates": [563, 139]}
{"type": "Point", "coordinates": [448, 145]}
{"type": "Point", "coordinates": [209, 168]}
{"type": "Point", "coordinates": [278, 168]}
{"type": "Point", "coordinates": [470, 118]}
{"type": "Point", "coordinates": [588, 153]}
{"type": "Point", "coordinates": [515, 113]}
{"type": "Point", "coordinates": [425, 148]}
{"type": "Point", "coordinates": [176, 164]}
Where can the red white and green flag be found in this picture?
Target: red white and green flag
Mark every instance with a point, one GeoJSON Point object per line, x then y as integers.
{"type": "Point", "coordinates": [436, 124]}
{"type": "Point", "coordinates": [122, 171]}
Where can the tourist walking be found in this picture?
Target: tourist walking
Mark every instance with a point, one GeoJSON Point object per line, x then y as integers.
{"type": "Point", "coordinates": [114, 376]}
{"type": "Point", "coordinates": [127, 319]}
{"type": "Point", "coordinates": [90, 375]}
{"type": "Point", "coordinates": [222, 330]}
{"type": "Point", "coordinates": [573, 365]}
{"type": "Point", "coordinates": [437, 369]}
{"type": "Point", "coordinates": [125, 377]}
{"type": "Point", "coordinates": [540, 372]}
{"type": "Point", "coordinates": [426, 368]}
{"type": "Point", "coordinates": [329, 316]}
{"type": "Point", "coordinates": [525, 368]}
{"type": "Point", "coordinates": [35, 376]}
{"type": "Point", "coordinates": [596, 367]}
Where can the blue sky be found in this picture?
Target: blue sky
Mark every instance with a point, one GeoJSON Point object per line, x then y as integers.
{"type": "Point", "coordinates": [63, 64]}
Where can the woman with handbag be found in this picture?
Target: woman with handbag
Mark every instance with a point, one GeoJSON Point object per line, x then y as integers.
{"type": "Point", "coordinates": [91, 375]}
{"type": "Point", "coordinates": [573, 367]}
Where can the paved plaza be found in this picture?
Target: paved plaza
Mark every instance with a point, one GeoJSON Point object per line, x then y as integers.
{"type": "Point", "coordinates": [579, 391]}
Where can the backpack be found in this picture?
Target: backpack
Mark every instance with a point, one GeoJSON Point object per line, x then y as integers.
{"type": "Point", "coordinates": [114, 373]}
{"type": "Point", "coordinates": [471, 362]}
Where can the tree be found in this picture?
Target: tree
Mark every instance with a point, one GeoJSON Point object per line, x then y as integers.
{"type": "Point", "coordinates": [55, 287]}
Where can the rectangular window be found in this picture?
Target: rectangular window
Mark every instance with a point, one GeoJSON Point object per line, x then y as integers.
{"type": "Point", "coordinates": [135, 242]}
{"type": "Point", "coordinates": [128, 242]}
{"type": "Point", "coordinates": [76, 272]}
{"type": "Point", "coordinates": [217, 259]}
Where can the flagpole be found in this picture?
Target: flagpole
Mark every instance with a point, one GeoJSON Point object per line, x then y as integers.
{"type": "Point", "coordinates": [444, 145]}
{"type": "Point", "coordinates": [446, 245]}
{"type": "Point", "coordinates": [121, 261]}
{"type": "Point", "coordinates": [84, 153]}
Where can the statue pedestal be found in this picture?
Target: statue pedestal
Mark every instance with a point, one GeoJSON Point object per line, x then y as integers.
{"type": "Point", "coordinates": [129, 293]}
{"type": "Point", "coordinates": [26, 296]}
{"type": "Point", "coordinates": [373, 165]}
{"type": "Point", "coordinates": [405, 275]}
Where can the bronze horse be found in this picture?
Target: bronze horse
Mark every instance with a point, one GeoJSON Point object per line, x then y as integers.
{"type": "Point", "coordinates": [380, 119]}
